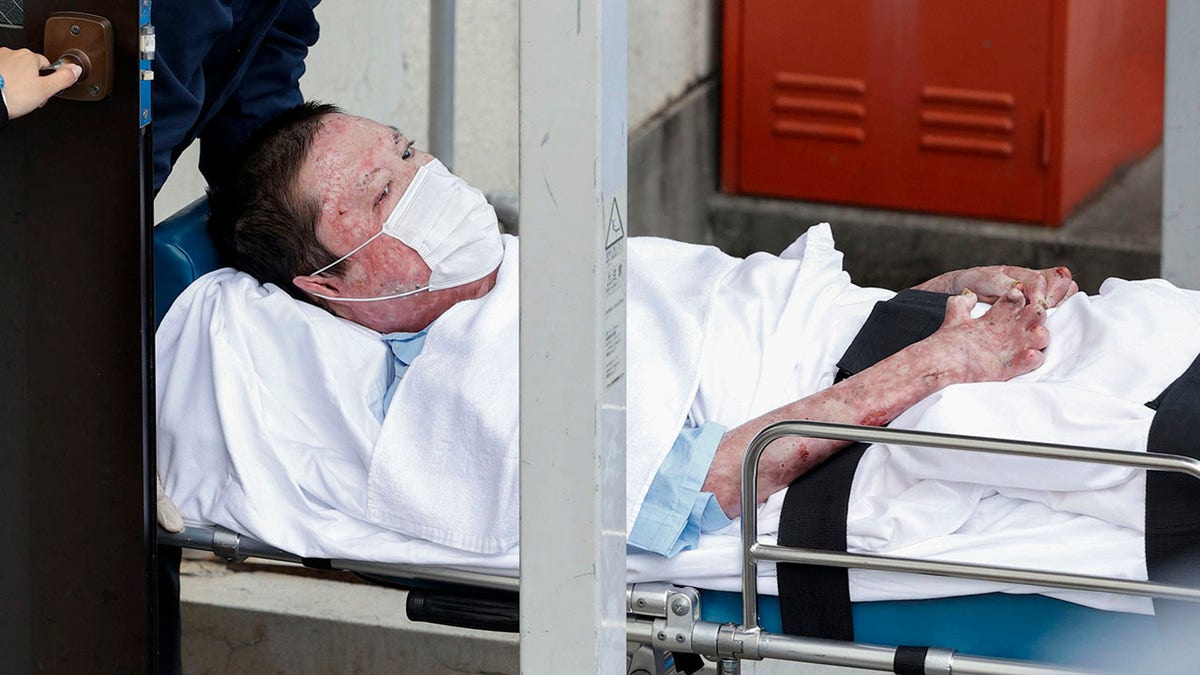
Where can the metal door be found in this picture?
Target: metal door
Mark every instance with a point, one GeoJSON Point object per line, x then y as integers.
{"type": "Point", "coordinates": [910, 105]}
{"type": "Point", "coordinates": [76, 585]}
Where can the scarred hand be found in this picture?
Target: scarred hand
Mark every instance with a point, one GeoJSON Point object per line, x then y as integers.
{"type": "Point", "coordinates": [1048, 287]}
{"type": "Point", "coordinates": [1005, 342]}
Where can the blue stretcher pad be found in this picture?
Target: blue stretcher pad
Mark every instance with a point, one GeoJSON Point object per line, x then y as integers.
{"type": "Point", "coordinates": [183, 252]}
{"type": "Point", "coordinates": [1001, 625]}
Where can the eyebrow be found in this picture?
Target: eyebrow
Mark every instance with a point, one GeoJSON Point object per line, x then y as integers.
{"type": "Point", "coordinates": [368, 175]}
{"type": "Point", "coordinates": [396, 135]}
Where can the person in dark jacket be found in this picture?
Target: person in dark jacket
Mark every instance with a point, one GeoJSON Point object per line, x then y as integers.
{"type": "Point", "coordinates": [221, 70]}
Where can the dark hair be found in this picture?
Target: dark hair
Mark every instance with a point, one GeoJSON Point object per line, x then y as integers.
{"type": "Point", "coordinates": [262, 224]}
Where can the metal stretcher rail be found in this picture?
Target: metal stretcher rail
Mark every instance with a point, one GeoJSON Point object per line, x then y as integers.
{"type": "Point", "coordinates": [681, 629]}
{"type": "Point", "coordinates": [661, 616]}
{"type": "Point", "coordinates": [753, 551]}
{"type": "Point", "coordinates": [667, 618]}
{"type": "Point", "coordinates": [236, 547]}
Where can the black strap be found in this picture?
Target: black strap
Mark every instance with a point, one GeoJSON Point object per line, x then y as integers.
{"type": "Point", "coordinates": [909, 660]}
{"type": "Point", "coordinates": [1173, 505]}
{"type": "Point", "coordinates": [3, 115]}
{"type": "Point", "coordinates": [815, 600]}
{"type": "Point", "coordinates": [909, 317]}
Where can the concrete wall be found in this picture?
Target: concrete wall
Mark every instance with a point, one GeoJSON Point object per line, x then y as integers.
{"type": "Point", "coordinates": [1117, 234]}
{"type": "Point", "coordinates": [1181, 133]}
{"type": "Point", "coordinates": [265, 622]}
{"type": "Point", "coordinates": [372, 59]}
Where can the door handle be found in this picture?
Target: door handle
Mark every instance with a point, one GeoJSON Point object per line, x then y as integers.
{"type": "Point", "coordinates": [85, 40]}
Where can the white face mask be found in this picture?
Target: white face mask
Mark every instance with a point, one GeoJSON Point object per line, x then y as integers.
{"type": "Point", "coordinates": [448, 223]}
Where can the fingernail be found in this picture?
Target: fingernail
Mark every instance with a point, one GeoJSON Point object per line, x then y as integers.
{"type": "Point", "coordinates": [75, 68]}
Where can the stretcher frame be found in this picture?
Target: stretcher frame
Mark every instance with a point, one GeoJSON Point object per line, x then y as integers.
{"type": "Point", "coordinates": [665, 618]}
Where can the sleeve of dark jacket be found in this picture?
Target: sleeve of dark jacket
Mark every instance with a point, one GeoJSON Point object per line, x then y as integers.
{"type": "Point", "coordinates": [223, 68]}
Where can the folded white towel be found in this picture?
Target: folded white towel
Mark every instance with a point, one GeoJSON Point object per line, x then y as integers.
{"type": "Point", "coordinates": [446, 464]}
{"type": "Point", "coordinates": [748, 335]}
{"type": "Point", "coordinates": [267, 408]}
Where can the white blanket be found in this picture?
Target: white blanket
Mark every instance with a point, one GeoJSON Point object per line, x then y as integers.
{"type": "Point", "coordinates": [270, 418]}
{"type": "Point", "coordinates": [453, 419]}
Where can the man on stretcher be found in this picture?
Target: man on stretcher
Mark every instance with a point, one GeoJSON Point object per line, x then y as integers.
{"type": "Point", "coordinates": [346, 214]}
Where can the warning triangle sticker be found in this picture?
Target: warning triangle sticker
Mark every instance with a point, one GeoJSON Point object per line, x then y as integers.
{"type": "Point", "coordinates": [616, 228]}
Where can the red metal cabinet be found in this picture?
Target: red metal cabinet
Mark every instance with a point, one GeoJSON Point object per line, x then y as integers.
{"type": "Point", "coordinates": [1013, 110]}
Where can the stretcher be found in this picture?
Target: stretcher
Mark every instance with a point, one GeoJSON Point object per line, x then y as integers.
{"type": "Point", "coordinates": [994, 633]}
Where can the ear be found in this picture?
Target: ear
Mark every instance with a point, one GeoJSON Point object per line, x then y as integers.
{"type": "Point", "coordinates": [318, 285]}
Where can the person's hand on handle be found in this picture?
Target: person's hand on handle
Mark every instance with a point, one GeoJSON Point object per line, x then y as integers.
{"type": "Point", "coordinates": [24, 89]}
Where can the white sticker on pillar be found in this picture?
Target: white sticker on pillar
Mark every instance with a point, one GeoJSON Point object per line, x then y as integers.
{"type": "Point", "coordinates": [614, 296]}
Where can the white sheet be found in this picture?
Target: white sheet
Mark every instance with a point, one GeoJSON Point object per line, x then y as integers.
{"type": "Point", "coordinates": [243, 368]}
{"type": "Point", "coordinates": [453, 420]}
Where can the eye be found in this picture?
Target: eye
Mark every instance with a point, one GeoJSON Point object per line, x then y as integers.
{"type": "Point", "coordinates": [408, 151]}
{"type": "Point", "coordinates": [387, 189]}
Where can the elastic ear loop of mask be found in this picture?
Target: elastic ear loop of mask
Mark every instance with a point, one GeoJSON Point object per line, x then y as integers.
{"type": "Point", "coordinates": [405, 294]}
{"type": "Point", "coordinates": [356, 249]}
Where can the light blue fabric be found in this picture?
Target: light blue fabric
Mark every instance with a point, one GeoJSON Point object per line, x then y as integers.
{"type": "Point", "coordinates": [675, 510]}
{"type": "Point", "coordinates": [405, 347]}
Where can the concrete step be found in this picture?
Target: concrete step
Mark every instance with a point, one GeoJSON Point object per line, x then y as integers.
{"type": "Point", "coordinates": [1116, 233]}
{"type": "Point", "coordinates": [265, 621]}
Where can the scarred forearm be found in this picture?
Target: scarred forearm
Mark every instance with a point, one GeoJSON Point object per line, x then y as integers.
{"type": "Point", "coordinates": [1003, 343]}
{"type": "Point", "coordinates": [872, 397]}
